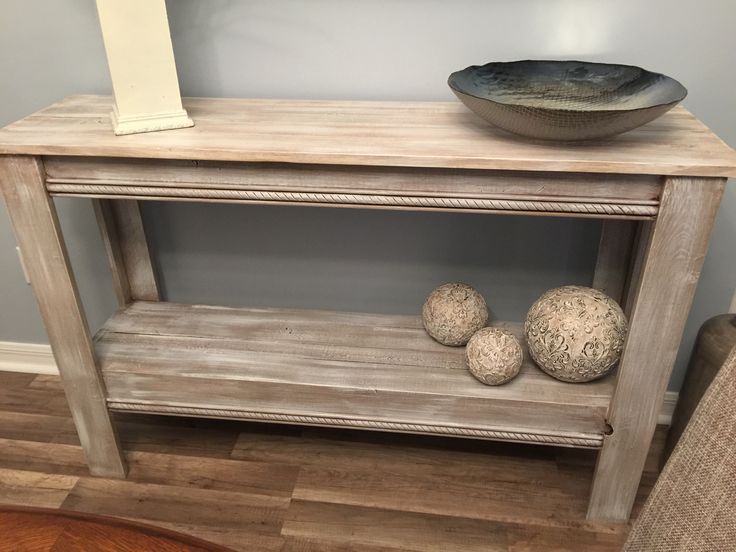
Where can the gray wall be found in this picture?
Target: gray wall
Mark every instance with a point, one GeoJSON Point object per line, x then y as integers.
{"type": "Point", "coordinates": [360, 49]}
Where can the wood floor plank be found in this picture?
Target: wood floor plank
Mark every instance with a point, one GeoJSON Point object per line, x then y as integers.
{"type": "Point", "coordinates": [244, 541]}
{"type": "Point", "coordinates": [187, 440]}
{"type": "Point", "coordinates": [329, 527]}
{"type": "Point", "coordinates": [295, 544]}
{"type": "Point", "coordinates": [47, 381]}
{"type": "Point", "coordinates": [29, 488]}
{"type": "Point", "coordinates": [349, 447]}
{"type": "Point", "coordinates": [268, 479]}
{"type": "Point", "coordinates": [256, 478]}
{"type": "Point", "coordinates": [170, 435]}
{"type": "Point", "coordinates": [355, 525]}
{"type": "Point", "coordinates": [447, 482]}
{"type": "Point", "coordinates": [34, 427]}
{"type": "Point", "coordinates": [237, 512]}
{"type": "Point", "coordinates": [10, 380]}
{"type": "Point", "coordinates": [34, 401]}
{"type": "Point", "coordinates": [524, 538]}
{"type": "Point", "coordinates": [476, 495]}
{"type": "Point", "coordinates": [415, 443]}
{"type": "Point", "coordinates": [52, 458]}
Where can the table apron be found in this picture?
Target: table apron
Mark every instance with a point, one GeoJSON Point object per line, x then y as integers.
{"type": "Point", "coordinates": [551, 194]}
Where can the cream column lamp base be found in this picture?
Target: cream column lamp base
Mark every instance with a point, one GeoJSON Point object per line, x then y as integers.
{"type": "Point", "coordinates": [142, 68]}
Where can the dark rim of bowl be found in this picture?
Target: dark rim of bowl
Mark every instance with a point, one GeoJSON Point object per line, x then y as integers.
{"type": "Point", "coordinates": [553, 61]}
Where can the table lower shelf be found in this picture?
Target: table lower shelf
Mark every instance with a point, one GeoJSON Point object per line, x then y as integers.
{"type": "Point", "coordinates": [369, 371]}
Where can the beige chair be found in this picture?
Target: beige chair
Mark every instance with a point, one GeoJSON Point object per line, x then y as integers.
{"type": "Point", "coordinates": [693, 505]}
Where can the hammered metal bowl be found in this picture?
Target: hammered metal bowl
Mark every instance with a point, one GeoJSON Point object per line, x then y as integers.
{"type": "Point", "coordinates": [565, 100]}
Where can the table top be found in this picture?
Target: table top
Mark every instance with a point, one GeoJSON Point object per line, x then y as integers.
{"type": "Point", "coordinates": [400, 134]}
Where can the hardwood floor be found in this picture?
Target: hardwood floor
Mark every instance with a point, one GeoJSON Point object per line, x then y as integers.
{"type": "Point", "coordinates": [292, 489]}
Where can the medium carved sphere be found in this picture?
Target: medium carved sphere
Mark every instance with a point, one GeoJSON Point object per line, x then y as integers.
{"type": "Point", "coordinates": [494, 356]}
{"type": "Point", "coordinates": [453, 313]}
{"type": "Point", "coordinates": [575, 333]}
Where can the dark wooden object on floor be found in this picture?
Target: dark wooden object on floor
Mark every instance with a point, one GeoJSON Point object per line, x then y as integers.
{"type": "Point", "coordinates": [715, 340]}
{"type": "Point", "coordinates": [46, 530]}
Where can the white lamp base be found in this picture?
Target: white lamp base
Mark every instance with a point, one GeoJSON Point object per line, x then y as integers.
{"type": "Point", "coordinates": [142, 69]}
{"type": "Point", "coordinates": [149, 122]}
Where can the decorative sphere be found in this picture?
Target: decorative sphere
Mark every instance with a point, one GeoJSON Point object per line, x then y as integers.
{"type": "Point", "coordinates": [453, 313]}
{"type": "Point", "coordinates": [575, 333]}
{"type": "Point", "coordinates": [494, 356]}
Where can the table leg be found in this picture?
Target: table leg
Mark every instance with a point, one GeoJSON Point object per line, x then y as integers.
{"type": "Point", "coordinates": [614, 255]}
{"type": "Point", "coordinates": [121, 225]}
{"type": "Point", "coordinates": [636, 264]}
{"type": "Point", "coordinates": [37, 231]}
{"type": "Point", "coordinates": [671, 267]}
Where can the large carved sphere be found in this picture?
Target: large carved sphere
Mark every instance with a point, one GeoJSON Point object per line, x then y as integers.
{"type": "Point", "coordinates": [575, 333]}
{"type": "Point", "coordinates": [494, 356]}
{"type": "Point", "coordinates": [453, 313]}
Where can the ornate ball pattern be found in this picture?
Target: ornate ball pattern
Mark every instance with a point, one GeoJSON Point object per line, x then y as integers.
{"type": "Point", "coordinates": [453, 313]}
{"type": "Point", "coordinates": [494, 356]}
{"type": "Point", "coordinates": [575, 334]}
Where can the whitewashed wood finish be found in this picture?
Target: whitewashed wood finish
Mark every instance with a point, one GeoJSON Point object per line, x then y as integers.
{"type": "Point", "coordinates": [557, 439]}
{"type": "Point", "coordinates": [408, 181]}
{"type": "Point", "coordinates": [614, 257]}
{"type": "Point", "coordinates": [638, 256]}
{"type": "Point", "coordinates": [111, 241]}
{"type": "Point", "coordinates": [492, 206]}
{"type": "Point", "coordinates": [34, 220]}
{"type": "Point", "coordinates": [134, 247]}
{"type": "Point", "coordinates": [409, 134]}
{"type": "Point", "coordinates": [360, 368]}
{"type": "Point", "coordinates": [368, 371]}
{"type": "Point", "coordinates": [665, 291]}
{"type": "Point", "coordinates": [582, 195]}
{"type": "Point", "coordinates": [124, 236]}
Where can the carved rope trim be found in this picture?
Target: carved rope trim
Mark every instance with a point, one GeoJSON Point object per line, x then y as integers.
{"type": "Point", "coordinates": [495, 204]}
{"type": "Point", "coordinates": [581, 442]}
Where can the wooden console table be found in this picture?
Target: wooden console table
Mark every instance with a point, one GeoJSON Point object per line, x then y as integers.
{"type": "Point", "coordinates": [657, 189]}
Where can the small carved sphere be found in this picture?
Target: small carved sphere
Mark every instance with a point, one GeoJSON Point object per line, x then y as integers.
{"type": "Point", "coordinates": [494, 356]}
{"type": "Point", "coordinates": [453, 313]}
{"type": "Point", "coordinates": [575, 333]}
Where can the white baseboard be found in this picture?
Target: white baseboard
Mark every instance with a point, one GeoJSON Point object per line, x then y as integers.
{"type": "Point", "coordinates": [35, 358]}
